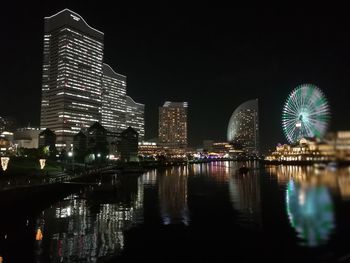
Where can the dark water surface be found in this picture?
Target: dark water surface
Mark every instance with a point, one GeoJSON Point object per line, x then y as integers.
{"type": "Point", "coordinates": [198, 212]}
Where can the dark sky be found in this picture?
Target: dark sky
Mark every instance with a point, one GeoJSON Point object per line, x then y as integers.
{"type": "Point", "coordinates": [213, 56]}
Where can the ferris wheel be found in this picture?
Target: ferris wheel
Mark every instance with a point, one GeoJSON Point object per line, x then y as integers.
{"type": "Point", "coordinates": [305, 113]}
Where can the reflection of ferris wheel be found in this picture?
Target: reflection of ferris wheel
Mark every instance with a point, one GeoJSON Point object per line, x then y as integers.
{"type": "Point", "coordinates": [305, 113]}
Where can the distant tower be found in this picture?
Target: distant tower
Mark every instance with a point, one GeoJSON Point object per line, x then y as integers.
{"type": "Point", "coordinates": [243, 127]}
{"type": "Point", "coordinates": [113, 100]}
{"type": "Point", "coordinates": [72, 73]}
{"type": "Point", "coordinates": [173, 124]}
{"type": "Point", "coordinates": [135, 116]}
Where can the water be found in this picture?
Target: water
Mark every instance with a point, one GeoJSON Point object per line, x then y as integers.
{"type": "Point", "coordinates": [196, 212]}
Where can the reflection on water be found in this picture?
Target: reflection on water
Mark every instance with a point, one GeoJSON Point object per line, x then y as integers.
{"type": "Point", "coordinates": [78, 230]}
{"type": "Point", "coordinates": [336, 180]}
{"type": "Point", "coordinates": [265, 210]}
{"type": "Point", "coordinates": [245, 196]}
{"type": "Point", "coordinates": [309, 203]}
{"type": "Point", "coordinates": [311, 213]}
{"type": "Point", "coordinates": [150, 178]}
{"type": "Point", "coordinates": [172, 190]}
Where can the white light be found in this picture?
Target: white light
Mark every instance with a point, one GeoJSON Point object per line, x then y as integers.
{"type": "Point", "coordinates": [4, 163]}
{"type": "Point", "coordinates": [42, 163]}
{"type": "Point", "coordinates": [70, 154]}
{"type": "Point", "coordinates": [75, 17]}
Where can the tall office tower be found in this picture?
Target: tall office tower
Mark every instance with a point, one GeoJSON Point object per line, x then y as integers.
{"type": "Point", "coordinates": [173, 124]}
{"type": "Point", "coordinates": [135, 116]}
{"type": "Point", "coordinates": [72, 73]}
{"type": "Point", "coordinates": [113, 100]}
{"type": "Point", "coordinates": [243, 127]}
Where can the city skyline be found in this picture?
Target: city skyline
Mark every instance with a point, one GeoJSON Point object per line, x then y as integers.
{"type": "Point", "coordinates": [174, 61]}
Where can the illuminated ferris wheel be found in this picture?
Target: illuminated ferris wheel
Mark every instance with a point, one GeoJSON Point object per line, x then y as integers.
{"type": "Point", "coordinates": [305, 113]}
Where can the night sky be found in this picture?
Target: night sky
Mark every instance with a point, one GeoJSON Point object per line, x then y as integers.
{"type": "Point", "coordinates": [214, 57]}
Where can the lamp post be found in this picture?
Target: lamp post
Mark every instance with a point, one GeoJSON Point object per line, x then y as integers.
{"type": "Point", "coordinates": [4, 163]}
{"type": "Point", "coordinates": [42, 163]}
{"type": "Point", "coordinates": [71, 155]}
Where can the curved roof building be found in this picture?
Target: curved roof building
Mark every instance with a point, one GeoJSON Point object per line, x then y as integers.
{"type": "Point", "coordinates": [243, 127]}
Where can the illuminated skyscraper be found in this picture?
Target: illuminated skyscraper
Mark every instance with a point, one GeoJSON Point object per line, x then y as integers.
{"type": "Point", "coordinates": [173, 124]}
{"type": "Point", "coordinates": [113, 100]}
{"type": "Point", "coordinates": [135, 116]}
{"type": "Point", "coordinates": [243, 127]}
{"type": "Point", "coordinates": [72, 73]}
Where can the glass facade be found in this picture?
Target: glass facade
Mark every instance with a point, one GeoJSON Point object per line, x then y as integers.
{"type": "Point", "coordinates": [173, 124]}
{"type": "Point", "coordinates": [243, 127]}
{"type": "Point", "coordinates": [113, 100]}
{"type": "Point", "coordinates": [72, 73]}
{"type": "Point", "coordinates": [135, 116]}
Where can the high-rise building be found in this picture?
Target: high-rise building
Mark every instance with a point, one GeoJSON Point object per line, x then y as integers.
{"type": "Point", "coordinates": [135, 116]}
{"type": "Point", "coordinates": [72, 73]}
{"type": "Point", "coordinates": [173, 124]}
{"type": "Point", "coordinates": [113, 100]}
{"type": "Point", "coordinates": [243, 127]}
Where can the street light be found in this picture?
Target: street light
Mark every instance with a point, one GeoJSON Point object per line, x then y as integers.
{"type": "Point", "coordinates": [4, 163]}
{"type": "Point", "coordinates": [70, 154]}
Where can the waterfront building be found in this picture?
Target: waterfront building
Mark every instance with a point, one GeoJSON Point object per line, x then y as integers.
{"type": "Point", "coordinates": [47, 138]}
{"type": "Point", "coordinates": [71, 77]}
{"type": "Point", "coordinates": [79, 146]}
{"type": "Point", "coordinates": [5, 144]}
{"type": "Point", "coordinates": [27, 137]}
{"type": "Point", "coordinates": [97, 143]}
{"type": "Point", "coordinates": [336, 147]}
{"type": "Point", "coordinates": [173, 125]}
{"type": "Point", "coordinates": [128, 145]}
{"type": "Point", "coordinates": [135, 116]}
{"type": "Point", "coordinates": [150, 149]}
{"type": "Point", "coordinates": [208, 145]}
{"type": "Point", "coordinates": [113, 100]}
{"type": "Point", "coordinates": [243, 127]}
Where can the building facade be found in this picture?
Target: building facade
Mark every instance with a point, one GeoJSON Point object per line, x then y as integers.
{"type": "Point", "coordinates": [128, 145]}
{"type": "Point", "coordinates": [27, 137]}
{"type": "Point", "coordinates": [72, 73]}
{"type": "Point", "coordinates": [173, 124]}
{"type": "Point", "coordinates": [243, 127]}
{"type": "Point", "coordinates": [135, 116]}
{"type": "Point", "coordinates": [113, 100]}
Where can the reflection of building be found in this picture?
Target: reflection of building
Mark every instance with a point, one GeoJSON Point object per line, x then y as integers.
{"type": "Point", "coordinates": [336, 179]}
{"type": "Point", "coordinates": [243, 127]}
{"type": "Point", "coordinates": [310, 212]}
{"type": "Point", "coordinates": [245, 196]}
{"type": "Point", "coordinates": [173, 196]}
{"type": "Point", "coordinates": [150, 177]}
{"type": "Point", "coordinates": [113, 100]}
{"type": "Point", "coordinates": [72, 73]}
{"type": "Point", "coordinates": [77, 233]}
{"type": "Point", "coordinates": [173, 124]}
{"type": "Point", "coordinates": [135, 116]}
